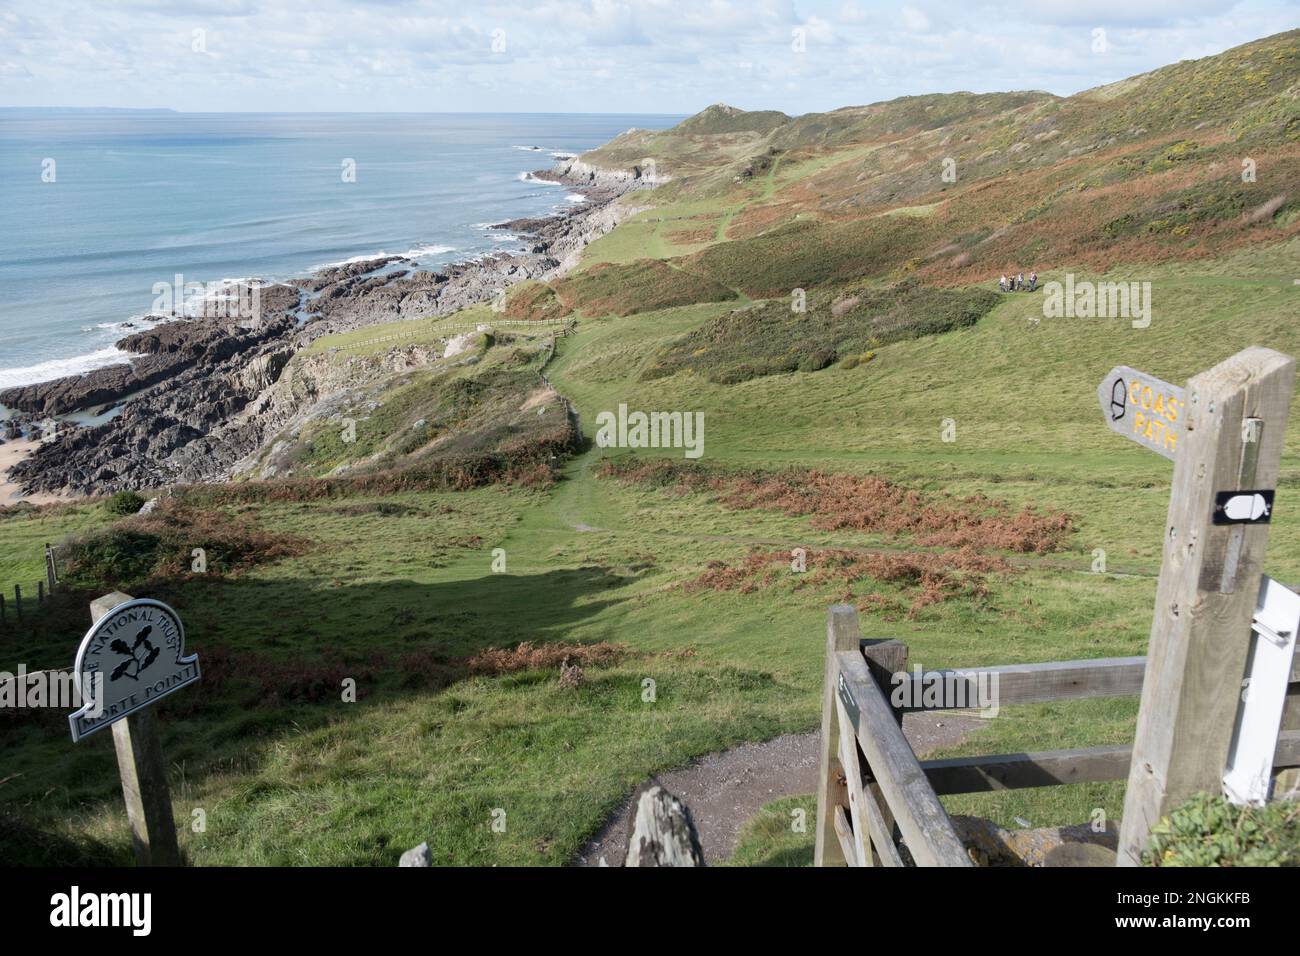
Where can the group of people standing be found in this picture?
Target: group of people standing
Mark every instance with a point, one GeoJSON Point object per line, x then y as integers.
{"type": "Point", "coordinates": [1019, 283]}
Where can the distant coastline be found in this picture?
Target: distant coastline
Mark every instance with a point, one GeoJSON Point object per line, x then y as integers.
{"type": "Point", "coordinates": [66, 110]}
{"type": "Point", "coordinates": [84, 247]}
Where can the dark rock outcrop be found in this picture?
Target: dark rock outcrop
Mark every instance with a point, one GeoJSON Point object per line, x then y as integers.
{"type": "Point", "coordinates": [199, 392]}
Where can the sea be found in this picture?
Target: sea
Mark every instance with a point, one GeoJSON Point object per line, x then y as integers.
{"type": "Point", "coordinates": [97, 207]}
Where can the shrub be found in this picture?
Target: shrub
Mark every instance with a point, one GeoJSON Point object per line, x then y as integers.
{"type": "Point", "coordinates": [530, 656]}
{"type": "Point", "coordinates": [1209, 831]}
{"type": "Point", "coordinates": [125, 503]}
{"type": "Point", "coordinates": [533, 302]}
{"type": "Point", "coordinates": [160, 544]}
{"type": "Point", "coordinates": [850, 362]}
{"type": "Point", "coordinates": [817, 360]}
{"type": "Point", "coordinates": [116, 556]}
{"type": "Point", "coordinates": [771, 340]}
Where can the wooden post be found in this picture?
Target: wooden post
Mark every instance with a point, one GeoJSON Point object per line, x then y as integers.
{"type": "Point", "coordinates": [51, 569]}
{"type": "Point", "coordinates": [1236, 416]}
{"type": "Point", "coordinates": [143, 772]}
{"type": "Point", "coordinates": [884, 660]}
{"type": "Point", "coordinates": [18, 601]}
{"type": "Point", "coordinates": [662, 832]}
{"type": "Point", "coordinates": [841, 635]}
{"type": "Point", "coordinates": [3, 619]}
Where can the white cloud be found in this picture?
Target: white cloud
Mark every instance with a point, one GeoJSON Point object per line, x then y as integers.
{"type": "Point", "coordinates": [915, 20]}
{"type": "Point", "coordinates": [589, 55]}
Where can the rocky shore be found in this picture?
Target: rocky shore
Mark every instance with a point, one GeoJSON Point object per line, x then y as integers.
{"type": "Point", "coordinates": [192, 403]}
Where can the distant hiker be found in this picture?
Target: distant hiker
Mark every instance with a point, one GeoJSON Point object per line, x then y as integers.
{"type": "Point", "coordinates": [1033, 281]}
{"type": "Point", "coordinates": [1002, 283]}
{"type": "Point", "coordinates": [1020, 281]}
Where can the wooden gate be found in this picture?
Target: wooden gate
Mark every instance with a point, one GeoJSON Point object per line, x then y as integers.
{"type": "Point", "coordinates": [877, 804]}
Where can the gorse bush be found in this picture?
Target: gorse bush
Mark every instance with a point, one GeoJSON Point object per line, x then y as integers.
{"type": "Point", "coordinates": [125, 503]}
{"type": "Point", "coordinates": [1209, 831]}
{"type": "Point", "coordinates": [136, 549]}
{"type": "Point", "coordinates": [116, 556]}
{"type": "Point", "coordinates": [817, 360]}
{"type": "Point", "coordinates": [772, 339]}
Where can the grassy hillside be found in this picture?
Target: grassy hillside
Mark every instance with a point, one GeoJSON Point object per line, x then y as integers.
{"type": "Point", "coordinates": [956, 485]}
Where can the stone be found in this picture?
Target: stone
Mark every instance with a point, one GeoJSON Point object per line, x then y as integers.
{"type": "Point", "coordinates": [417, 856]}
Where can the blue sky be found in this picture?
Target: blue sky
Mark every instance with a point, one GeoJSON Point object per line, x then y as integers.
{"type": "Point", "coordinates": [638, 56]}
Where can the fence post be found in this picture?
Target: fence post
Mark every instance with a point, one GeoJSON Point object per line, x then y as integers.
{"type": "Point", "coordinates": [1236, 417]}
{"type": "Point", "coordinates": [18, 601]}
{"type": "Point", "coordinates": [3, 618]}
{"type": "Point", "coordinates": [51, 569]}
{"type": "Point", "coordinates": [842, 634]}
{"type": "Point", "coordinates": [662, 832]}
{"type": "Point", "coordinates": [143, 773]}
{"type": "Point", "coordinates": [885, 658]}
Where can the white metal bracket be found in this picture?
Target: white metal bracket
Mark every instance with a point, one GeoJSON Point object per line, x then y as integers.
{"type": "Point", "coordinates": [1263, 694]}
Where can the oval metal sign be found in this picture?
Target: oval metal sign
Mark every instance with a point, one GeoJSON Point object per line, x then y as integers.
{"type": "Point", "coordinates": [132, 658]}
{"type": "Point", "coordinates": [1143, 409]}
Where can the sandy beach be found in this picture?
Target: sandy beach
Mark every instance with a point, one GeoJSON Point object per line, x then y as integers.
{"type": "Point", "coordinates": [12, 452]}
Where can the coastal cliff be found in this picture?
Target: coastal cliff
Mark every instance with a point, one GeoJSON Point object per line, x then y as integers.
{"type": "Point", "coordinates": [199, 395]}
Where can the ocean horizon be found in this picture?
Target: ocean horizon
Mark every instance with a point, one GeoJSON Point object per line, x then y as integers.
{"type": "Point", "coordinates": [103, 204]}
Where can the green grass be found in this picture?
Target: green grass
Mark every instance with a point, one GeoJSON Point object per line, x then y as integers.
{"type": "Point", "coordinates": [23, 538]}
{"type": "Point", "coordinates": [380, 339]}
{"type": "Point", "coordinates": [782, 833]}
{"type": "Point", "coordinates": [357, 783]}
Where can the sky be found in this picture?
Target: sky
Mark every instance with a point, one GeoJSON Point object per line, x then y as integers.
{"type": "Point", "coordinates": [591, 56]}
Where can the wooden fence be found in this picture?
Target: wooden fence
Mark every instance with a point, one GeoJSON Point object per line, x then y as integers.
{"type": "Point", "coordinates": [877, 804]}
{"type": "Point", "coordinates": [16, 606]}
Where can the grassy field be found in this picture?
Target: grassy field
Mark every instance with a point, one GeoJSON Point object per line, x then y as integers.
{"type": "Point", "coordinates": [675, 597]}
{"type": "Point", "coordinates": [379, 339]}
{"type": "Point", "coordinates": [399, 591]}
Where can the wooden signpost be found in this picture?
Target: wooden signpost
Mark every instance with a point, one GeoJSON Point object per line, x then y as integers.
{"type": "Point", "coordinates": [133, 656]}
{"type": "Point", "coordinates": [1143, 408]}
{"type": "Point", "coordinates": [1224, 433]}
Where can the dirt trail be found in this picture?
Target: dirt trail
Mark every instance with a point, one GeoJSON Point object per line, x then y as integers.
{"type": "Point", "coordinates": [724, 790]}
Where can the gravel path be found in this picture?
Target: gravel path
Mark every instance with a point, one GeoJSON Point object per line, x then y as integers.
{"type": "Point", "coordinates": [724, 790]}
